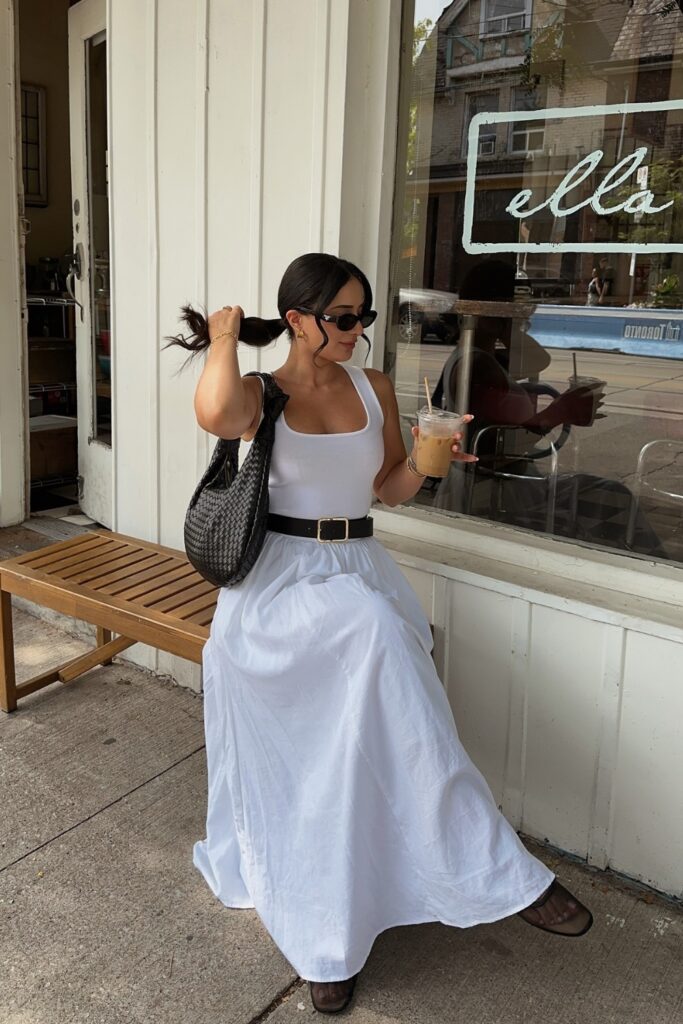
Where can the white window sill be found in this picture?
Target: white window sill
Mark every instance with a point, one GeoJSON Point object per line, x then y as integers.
{"type": "Point", "coordinates": [618, 588]}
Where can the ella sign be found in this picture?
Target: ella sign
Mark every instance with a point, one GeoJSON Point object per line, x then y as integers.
{"type": "Point", "coordinates": [637, 202]}
{"type": "Point", "coordinates": [622, 189]}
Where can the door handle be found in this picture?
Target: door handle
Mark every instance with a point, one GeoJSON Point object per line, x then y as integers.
{"type": "Point", "coordinates": [75, 272]}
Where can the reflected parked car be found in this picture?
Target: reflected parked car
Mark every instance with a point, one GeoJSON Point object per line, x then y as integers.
{"type": "Point", "coordinates": [426, 314]}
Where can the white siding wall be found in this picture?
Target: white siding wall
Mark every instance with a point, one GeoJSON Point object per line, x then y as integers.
{"type": "Point", "coordinates": [243, 135]}
{"type": "Point", "coordinates": [571, 711]}
{"type": "Point", "coordinates": [227, 128]}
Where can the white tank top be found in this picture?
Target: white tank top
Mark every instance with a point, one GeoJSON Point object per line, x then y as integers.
{"type": "Point", "coordinates": [314, 475]}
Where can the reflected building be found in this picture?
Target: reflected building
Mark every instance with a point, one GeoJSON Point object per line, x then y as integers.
{"type": "Point", "coordinates": [515, 57]}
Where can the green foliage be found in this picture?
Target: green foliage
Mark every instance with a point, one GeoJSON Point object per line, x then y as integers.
{"type": "Point", "coordinates": [667, 293]}
{"type": "Point", "coordinates": [665, 181]}
{"type": "Point", "coordinates": [550, 50]}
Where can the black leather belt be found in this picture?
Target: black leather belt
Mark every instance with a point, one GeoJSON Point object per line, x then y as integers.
{"type": "Point", "coordinates": [327, 530]}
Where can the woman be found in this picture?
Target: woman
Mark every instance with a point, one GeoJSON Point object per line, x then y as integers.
{"type": "Point", "coordinates": [340, 802]}
{"type": "Point", "coordinates": [595, 289]}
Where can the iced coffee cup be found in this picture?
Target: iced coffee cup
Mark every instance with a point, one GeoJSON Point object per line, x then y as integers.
{"type": "Point", "coordinates": [435, 439]}
{"type": "Point", "coordinates": [594, 384]}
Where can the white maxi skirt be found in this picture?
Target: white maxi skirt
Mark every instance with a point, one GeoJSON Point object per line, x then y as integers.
{"type": "Point", "coordinates": [340, 801]}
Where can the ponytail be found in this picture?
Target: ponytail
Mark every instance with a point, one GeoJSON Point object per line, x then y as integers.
{"type": "Point", "coordinates": [253, 331]}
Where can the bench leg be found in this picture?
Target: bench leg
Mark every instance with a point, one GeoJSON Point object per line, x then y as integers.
{"type": "Point", "coordinates": [103, 637]}
{"type": "Point", "coordinates": [8, 681]}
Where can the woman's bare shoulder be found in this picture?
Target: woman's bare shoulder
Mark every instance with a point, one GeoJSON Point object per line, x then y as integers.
{"type": "Point", "coordinates": [381, 382]}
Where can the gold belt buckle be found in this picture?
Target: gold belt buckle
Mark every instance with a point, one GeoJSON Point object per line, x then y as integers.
{"type": "Point", "coordinates": [332, 519]}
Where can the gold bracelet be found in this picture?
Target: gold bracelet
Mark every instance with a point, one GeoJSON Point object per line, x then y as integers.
{"type": "Point", "coordinates": [412, 468]}
{"type": "Point", "coordinates": [223, 334]}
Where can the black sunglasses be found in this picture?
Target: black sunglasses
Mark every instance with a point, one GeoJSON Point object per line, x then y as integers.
{"type": "Point", "coordinates": [344, 321]}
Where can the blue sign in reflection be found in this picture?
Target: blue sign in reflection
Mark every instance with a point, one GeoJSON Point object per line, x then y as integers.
{"type": "Point", "coordinates": [635, 332]}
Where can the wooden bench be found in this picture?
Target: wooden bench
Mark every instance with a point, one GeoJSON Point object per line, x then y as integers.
{"type": "Point", "coordinates": [142, 592]}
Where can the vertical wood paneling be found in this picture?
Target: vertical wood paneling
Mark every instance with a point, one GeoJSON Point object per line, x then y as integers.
{"type": "Point", "coordinates": [319, 102]}
{"type": "Point", "coordinates": [335, 138]}
{"type": "Point", "coordinates": [180, 200]}
{"type": "Point", "coordinates": [563, 706]}
{"type": "Point", "coordinates": [180, 108]}
{"type": "Point", "coordinates": [647, 833]}
{"type": "Point", "coordinates": [202, 439]}
{"type": "Point", "coordinates": [290, 146]}
{"type": "Point", "coordinates": [602, 812]}
{"type": "Point", "coordinates": [258, 44]}
{"type": "Point", "coordinates": [133, 229]}
{"type": "Point", "coordinates": [234, 161]}
{"type": "Point", "coordinates": [515, 747]}
{"type": "Point", "coordinates": [154, 419]}
{"type": "Point", "coordinates": [479, 677]}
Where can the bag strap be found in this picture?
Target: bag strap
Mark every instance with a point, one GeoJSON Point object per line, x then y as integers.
{"type": "Point", "coordinates": [274, 398]}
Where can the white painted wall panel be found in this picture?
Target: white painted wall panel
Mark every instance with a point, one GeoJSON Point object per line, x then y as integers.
{"type": "Point", "coordinates": [180, 173]}
{"type": "Point", "coordinates": [562, 726]}
{"type": "Point", "coordinates": [478, 677]}
{"type": "Point", "coordinates": [647, 835]}
{"type": "Point", "coordinates": [135, 333]}
{"type": "Point", "coordinates": [234, 157]}
{"type": "Point", "coordinates": [574, 722]}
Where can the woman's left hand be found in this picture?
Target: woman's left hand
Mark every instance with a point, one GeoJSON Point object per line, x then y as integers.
{"type": "Point", "coordinates": [457, 454]}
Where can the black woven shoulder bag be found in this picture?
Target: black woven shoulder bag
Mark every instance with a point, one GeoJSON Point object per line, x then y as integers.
{"type": "Point", "coordinates": [225, 525]}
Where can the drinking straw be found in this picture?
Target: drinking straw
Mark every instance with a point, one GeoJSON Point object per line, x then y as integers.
{"type": "Point", "coordinates": [429, 400]}
{"type": "Point", "coordinates": [574, 361]}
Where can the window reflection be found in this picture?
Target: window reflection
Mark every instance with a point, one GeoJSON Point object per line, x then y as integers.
{"type": "Point", "coordinates": [563, 310]}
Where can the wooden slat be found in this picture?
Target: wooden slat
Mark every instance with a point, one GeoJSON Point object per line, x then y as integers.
{"type": "Point", "coordinates": [178, 574]}
{"type": "Point", "coordinates": [100, 569]}
{"type": "Point", "coordinates": [84, 559]}
{"type": "Point", "coordinates": [50, 557]}
{"type": "Point", "coordinates": [169, 604]}
{"type": "Point", "coordinates": [204, 618]}
{"type": "Point", "coordinates": [61, 547]}
{"type": "Point", "coordinates": [200, 604]}
{"type": "Point", "coordinates": [94, 556]}
{"type": "Point", "coordinates": [122, 578]}
{"type": "Point", "coordinates": [75, 557]}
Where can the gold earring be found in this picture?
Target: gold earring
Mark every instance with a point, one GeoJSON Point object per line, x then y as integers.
{"type": "Point", "coordinates": [299, 334]}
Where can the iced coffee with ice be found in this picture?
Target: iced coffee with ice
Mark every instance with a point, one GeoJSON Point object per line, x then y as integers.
{"type": "Point", "coordinates": [435, 439]}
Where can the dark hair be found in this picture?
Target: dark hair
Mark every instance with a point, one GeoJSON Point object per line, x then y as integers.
{"type": "Point", "coordinates": [310, 282]}
{"type": "Point", "coordinates": [489, 281]}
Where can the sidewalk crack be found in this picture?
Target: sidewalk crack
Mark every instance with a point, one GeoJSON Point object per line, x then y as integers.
{"type": "Point", "coordinates": [105, 807]}
{"type": "Point", "coordinates": [279, 999]}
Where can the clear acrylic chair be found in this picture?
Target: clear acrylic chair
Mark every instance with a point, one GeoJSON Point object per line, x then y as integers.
{"type": "Point", "coordinates": [642, 486]}
{"type": "Point", "coordinates": [502, 465]}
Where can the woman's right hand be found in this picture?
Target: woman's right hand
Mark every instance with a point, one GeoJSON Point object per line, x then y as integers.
{"type": "Point", "coordinates": [577, 405]}
{"type": "Point", "coordinates": [226, 319]}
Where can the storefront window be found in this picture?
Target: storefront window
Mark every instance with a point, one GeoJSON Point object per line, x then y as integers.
{"type": "Point", "coordinates": [537, 262]}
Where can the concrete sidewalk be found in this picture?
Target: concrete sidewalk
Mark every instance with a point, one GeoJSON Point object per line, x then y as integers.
{"type": "Point", "coordinates": [103, 917]}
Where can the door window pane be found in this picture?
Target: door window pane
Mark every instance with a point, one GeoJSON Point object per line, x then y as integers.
{"type": "Point", "coordinates": [537, 264]}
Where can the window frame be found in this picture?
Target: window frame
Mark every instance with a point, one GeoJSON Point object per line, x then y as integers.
{"type": "Point", "coordinates": [34, 198]}
{"type": "Point", "coordinates": [469, 114]}
{"type": "Point", "coordinates": [488, 32]}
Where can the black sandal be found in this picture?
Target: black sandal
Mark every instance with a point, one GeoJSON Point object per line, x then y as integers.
{"type": "Point", "coordinates": [581, 916]}
{"type": "Point", "coordinates": [332, 996]}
